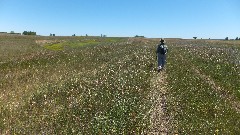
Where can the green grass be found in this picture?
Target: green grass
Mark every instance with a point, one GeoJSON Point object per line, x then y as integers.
{"type": "Point", "coordinates": [197, 107]}
{"type": "Point", "coordinates": [92, 85]}
{"type": "Point", "coordinates": [70, 44]}
{"type": "Point", "coordinates": [88, 89]}
{"type": "Point", "coordinates": [80, 42]}
{"type": "Point", "coordinates": [56, 47]}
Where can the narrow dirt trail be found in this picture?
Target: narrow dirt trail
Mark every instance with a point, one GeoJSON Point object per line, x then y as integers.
{"type": "Point", "coordinates": [159, 118]}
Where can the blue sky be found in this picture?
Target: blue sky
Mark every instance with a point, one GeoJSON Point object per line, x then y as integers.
{"type": "Point", "coordinates": [151, 18]}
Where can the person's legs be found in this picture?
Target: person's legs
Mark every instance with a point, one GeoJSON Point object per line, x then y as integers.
{"type": "Point", "coordinates": [160, 62]}
{"type": "Point", "coordinates": [163, 61]}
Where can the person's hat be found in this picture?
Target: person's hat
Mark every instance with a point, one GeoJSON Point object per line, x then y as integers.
{"type": "Point", "coordinates": [162, 41]}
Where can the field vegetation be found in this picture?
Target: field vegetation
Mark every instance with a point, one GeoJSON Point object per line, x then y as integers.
{"type": "Point", "coordinates": [204, 86]}
{"type": "Point", "coordinates": [93, 85]}
{"type": "Point", "coordinates": [88, 86]}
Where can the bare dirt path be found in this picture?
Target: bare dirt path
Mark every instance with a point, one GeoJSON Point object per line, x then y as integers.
{"type": "Point", "coordinates": [159, 118]}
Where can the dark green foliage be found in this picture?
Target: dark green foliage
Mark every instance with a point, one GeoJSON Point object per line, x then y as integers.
{"type": "Point", "coordinates": [29, 33]}
{"type": "Point", "coordinates": [137, 36]}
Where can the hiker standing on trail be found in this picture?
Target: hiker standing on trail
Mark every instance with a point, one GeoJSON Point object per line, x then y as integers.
{"type": "Point", "coordinates": [161, 54]}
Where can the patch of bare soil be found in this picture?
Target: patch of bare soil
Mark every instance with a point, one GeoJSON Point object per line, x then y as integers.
{"type": "Point", "coordinates": [137, 41]}
{"type": "Point", "coordinates": [159, 119]}
{"type": "Point", "coordinates": [44, 42]}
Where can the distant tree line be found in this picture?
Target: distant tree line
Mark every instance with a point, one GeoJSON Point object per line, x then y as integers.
{"type": "Point", "coordinates": [137, 36]}
{"type": "Point", "coordinates": [52, 35]}
{"type": "Point", "coordinates": [29, 33]}
{"type": "Point", "coordinates": [237, 38]}
{"type": "Point", "coordinates": [103, 35]}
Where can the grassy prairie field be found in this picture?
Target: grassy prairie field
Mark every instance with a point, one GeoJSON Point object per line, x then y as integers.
{"type": "Point", "coordinates": [204, 86]}
{"type": "Point", "coordinates": [93, 85]}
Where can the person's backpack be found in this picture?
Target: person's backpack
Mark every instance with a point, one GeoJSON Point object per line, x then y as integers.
{"type": "Point", "coordinates": [162, 49]}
